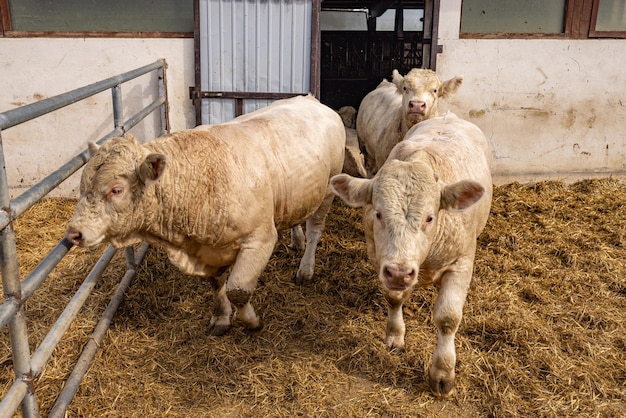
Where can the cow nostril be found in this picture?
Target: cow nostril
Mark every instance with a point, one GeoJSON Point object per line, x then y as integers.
{"type": "Point", "coordinates": [386, 273]}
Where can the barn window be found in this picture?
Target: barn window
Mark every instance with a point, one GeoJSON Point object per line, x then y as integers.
{"type": "Point", "coordinates": [608, 19]}
{"type": "Point", "coordinates": [513, 16]}
{"type": "Point", "coordinates": [97, 18]}
{"type": "Point", "coordinates": [348, 20]}
{"type": "Point", "coordinates": [571, 19]}
{"type": "Point", "coordinates": [412, 20]}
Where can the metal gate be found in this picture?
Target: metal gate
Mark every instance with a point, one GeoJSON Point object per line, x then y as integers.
{"type": "Point", "coordinates": [28, 367]}
{"type": "Point", "coordinates": [251, 52]}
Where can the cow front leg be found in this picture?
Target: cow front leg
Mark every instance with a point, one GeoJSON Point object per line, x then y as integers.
{"type": "Point", "coordinates": [447, 316]}
{"type": "Point", "coordinates": [222, 310]}
{"type": "Point", "coordinates": [250, 263]}
{"type": "Point", "coordinates": [394, 334]}
{"type": "Point", "coordinates": [314, 228]}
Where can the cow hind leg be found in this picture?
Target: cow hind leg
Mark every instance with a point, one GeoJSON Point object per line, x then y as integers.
{"type": "Point", "coordinates": [447, 316]}
{"type": "Point", "coordinates": [314, 228]}
{"type": "Point", "coordinates": [298, 241]}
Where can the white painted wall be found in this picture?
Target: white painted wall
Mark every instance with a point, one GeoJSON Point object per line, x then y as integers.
{"type": "Point", "coordinates": [552, 108]}
{"type": "Point", "coordinates": [32, 69]}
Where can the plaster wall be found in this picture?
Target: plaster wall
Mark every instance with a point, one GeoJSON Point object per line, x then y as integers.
{"type": "Point", "coordinates": [552, 108]}
{"type": "Point", "coordinates": [32, 69]}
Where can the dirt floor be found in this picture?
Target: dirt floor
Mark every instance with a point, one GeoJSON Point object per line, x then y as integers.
{"type": "Point", "coordinates": [543, 333]}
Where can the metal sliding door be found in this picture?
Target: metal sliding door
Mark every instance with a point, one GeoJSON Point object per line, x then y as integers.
{"type": "Point", "coordinates": [251, 52]}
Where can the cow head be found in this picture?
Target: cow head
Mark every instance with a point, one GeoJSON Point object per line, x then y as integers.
{"type": "Point", "coordinates": [421, 90]}
{"type": "Point", "coordinates": [402, 204]}
{"type": "Point", "coordinates": [111, 186]}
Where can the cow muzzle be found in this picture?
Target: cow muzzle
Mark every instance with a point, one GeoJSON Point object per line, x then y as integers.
{"type": "Point", "coordinates": [398, 276]}
{"type": "Point", "coordinates": [417, 107]}
{"type": "Point", "coordinates": [82, 238]}
{"type": "Point", "coordinates": [75, 236]}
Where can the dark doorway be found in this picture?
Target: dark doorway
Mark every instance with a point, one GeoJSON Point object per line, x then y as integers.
{"type": "Point", "coordinates": [362, 42]}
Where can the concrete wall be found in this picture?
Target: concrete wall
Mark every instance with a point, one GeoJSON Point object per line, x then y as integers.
{"type": "Point", "coordinates": [552, 108]}
{"type": "Point", "coordinates": [32, 69]}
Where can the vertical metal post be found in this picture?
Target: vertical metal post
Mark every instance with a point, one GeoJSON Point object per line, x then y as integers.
{"type": "Point", "coordinates": [197, 101]}
{"type": "Point", "coordinates": [118, 109]}
{"type": "Point", "coordinates": [165, 113]}
{"type": "Point", "coordinates": [316, 41]}
{"type": "Point", "coordinates": [18, 332]}
{"type": "Point", "coordinates": [435, 47]}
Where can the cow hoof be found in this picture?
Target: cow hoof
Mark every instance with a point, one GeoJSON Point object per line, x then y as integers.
{"type": "Point", "coordinates": [217, 330]}
{"type": "Point", "coordinates": [257, 328]}
{"type": "Point", "coordinates": [443, 388]}
{"type": "Point", "coordinates": [395, 344]}
{"type": "Point", "coordinates": [303, 279]}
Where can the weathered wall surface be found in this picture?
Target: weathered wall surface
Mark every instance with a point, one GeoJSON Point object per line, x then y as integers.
{"type": "Point", "coordinates": [32, 69]}
{"type": "Point", "coordinates": [552, 108]}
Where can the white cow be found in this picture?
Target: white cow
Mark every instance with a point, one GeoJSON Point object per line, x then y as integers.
{"type": "Point", "coordinates": [348, 115]}
{"type": "Point", "coordinates": [422, 214]}
{"type": "Point", "coordinates": [389, 111]}
{"type": "Point", "coordinates": [216, 196]}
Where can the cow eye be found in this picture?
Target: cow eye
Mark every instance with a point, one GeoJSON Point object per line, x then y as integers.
{"type": "Point", "coordinates": [116, 191]}
{"type": "Point", "coordinates": [429, 219]}
{"type": "Point", "coordinates": [435, 91]}
{"type": "Point", "coordinates": [377, 215]}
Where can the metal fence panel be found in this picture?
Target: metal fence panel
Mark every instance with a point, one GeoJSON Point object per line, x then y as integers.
{"type": "Point", "coordinates": [16, 292]}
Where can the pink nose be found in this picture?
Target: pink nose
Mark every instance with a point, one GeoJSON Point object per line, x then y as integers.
{"type": "Point", "coordinates": [75, 237]}
{"type": "Point", "coordinates": [398, 276]}
{"type": "Point", "coordinates": [417, 106]}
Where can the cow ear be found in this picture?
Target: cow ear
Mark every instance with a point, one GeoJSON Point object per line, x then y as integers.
{"type": "Point", "coordinates": [152, 168]}
{"type": "Point", "coordinates": [354, 191]}
{"type": "Point", "coordinates": [461, 195]}
{"type": "Point", "coordinates": [397, 79]}
{"type": "Point", "coordinates": [93, 148]}
{"type": "Point", "coordinates": [450, 87]}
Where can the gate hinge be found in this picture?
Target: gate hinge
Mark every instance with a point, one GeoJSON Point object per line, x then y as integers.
{"type": "Point", "coordinates": [194, 93]}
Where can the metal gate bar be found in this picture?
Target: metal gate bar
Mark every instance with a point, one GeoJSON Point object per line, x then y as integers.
{"type": "Point", "coordinates": [72, 383]}
{"type": "Point", "coordinates": [16, 293]}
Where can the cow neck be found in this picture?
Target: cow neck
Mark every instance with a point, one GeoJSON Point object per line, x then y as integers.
{"type": "Point", "coordinates": [177, 207]}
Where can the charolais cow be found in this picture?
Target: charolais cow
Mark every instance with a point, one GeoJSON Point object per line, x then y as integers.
{"type": "Point", "coordinates": [423, 211]}
{"type": "Point", "coordinates": [391, 109]}
{"type": "Point", "coordinates": [215, 196]}
{"type": "Point", "coordinates": [348, 116]}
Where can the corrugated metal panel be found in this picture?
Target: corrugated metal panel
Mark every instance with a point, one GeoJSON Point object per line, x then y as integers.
{"type": "Point", "coordinates": [253, 46]}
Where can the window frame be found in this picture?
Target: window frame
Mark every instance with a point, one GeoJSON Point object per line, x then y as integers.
{"type": "Point", "coordinates": [593, 33]}
{"type": "Point", "coordinates": [580, 22]}
{"type": "Point", "coordinates": [6, 30]}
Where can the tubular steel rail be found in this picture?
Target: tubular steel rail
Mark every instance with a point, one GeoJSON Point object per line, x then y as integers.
{"type": "Point", "coordinates": [28, 367]}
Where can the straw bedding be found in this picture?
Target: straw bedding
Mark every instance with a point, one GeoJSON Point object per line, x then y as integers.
{"type": "Point", "coordinates": [543, 333]}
